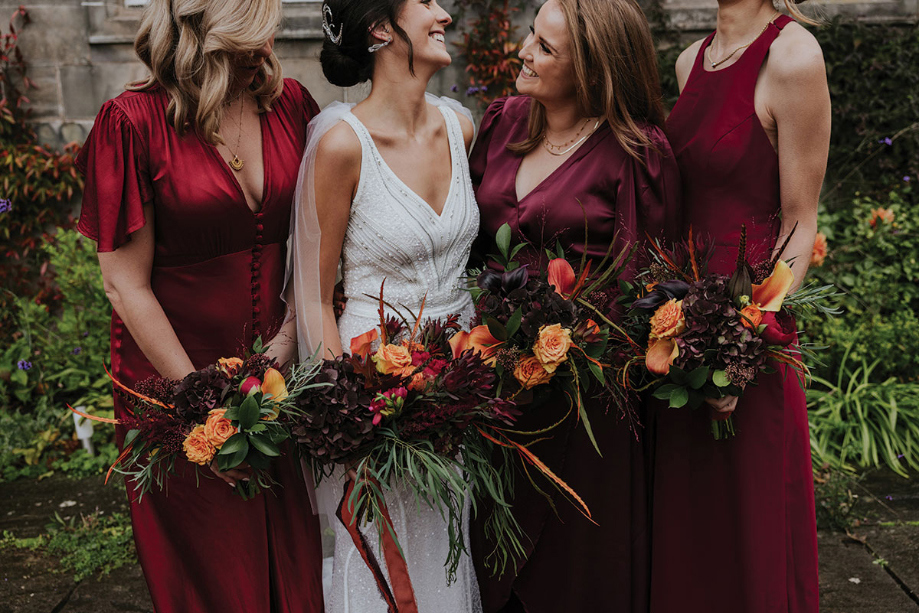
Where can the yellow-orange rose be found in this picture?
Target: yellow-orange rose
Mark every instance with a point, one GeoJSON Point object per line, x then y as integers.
{"type": "Point", "coordinates": [393, 359]}
{"type": "Point", "coordinates": [552, 345]}
{"type": "Point", "coordinates": [751, 316]}
{"type": "Point", "coordinates": [529, 372]}
{"type": "Point", "coordinates": [229, 366]}
{"type": "Point", "coordinates": [668, 320]}
{"type": "Point", "coordinates": [197, 448]}
{"type": "Point", "coordinates": [818, 253]}
{"type": "Point", "coordinates": [217, 428]}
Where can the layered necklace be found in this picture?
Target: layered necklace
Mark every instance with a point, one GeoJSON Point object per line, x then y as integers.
{"type": "Point", "coordinates": [566, 147]}
{"type": "Point", "coordinates": [236, 163]}
{"type": "Point", "coordinates": [716, 64]}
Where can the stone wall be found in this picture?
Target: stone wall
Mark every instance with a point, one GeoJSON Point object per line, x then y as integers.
{"type": "Point", "coordinates": [80, 52]}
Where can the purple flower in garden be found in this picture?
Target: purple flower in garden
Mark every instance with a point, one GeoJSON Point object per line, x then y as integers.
{"type": "Point", "coordinates": [889, 497]}
{"type": "Point", "coordinates": [85, 334]}
{"type": "Point", "coordinates": [885, 141]}
{"type": "Point", "coordinates": [24, 365]}
{"type": "Point", "coordinates": [484, 88]}
{"type": "Point", "coordinates": [5, 205]}
{"type": "Point", "coordinates": [906, 179]}
{"type": "Point", "coordinates": [472, 90]}
{"type": "Point", "coordinates": [454, 88]}
{"type": "Point", "coordinates": [77, 350]}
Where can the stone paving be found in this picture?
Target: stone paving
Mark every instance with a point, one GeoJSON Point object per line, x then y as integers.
{"type": "Point", "coordinates": [873, 569]}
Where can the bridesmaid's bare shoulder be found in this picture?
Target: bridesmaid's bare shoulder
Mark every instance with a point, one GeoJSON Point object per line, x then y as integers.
{"type": "Point", "coordinates": [795, 54]}
{"type": "Point", "coordinates": [686, 60]}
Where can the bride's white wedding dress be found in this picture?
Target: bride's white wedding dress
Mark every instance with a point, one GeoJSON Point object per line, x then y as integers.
{"type": "Point", "coordinates": [394, 234]}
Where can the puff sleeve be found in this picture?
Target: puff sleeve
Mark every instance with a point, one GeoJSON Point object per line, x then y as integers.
{"type": "Point", "coordinates": [658, 190]}
{"type": "Point", "coordinates": [113, 161]}
{"type": "Point", "coordinates": [478, 159]}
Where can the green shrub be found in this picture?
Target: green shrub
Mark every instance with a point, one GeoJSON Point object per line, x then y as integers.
{"type": "Point", "coordinates": [857, 423]}
{"type": "Point", "coordinates": [877, 269]}
{"type": "Point", "coordinates": [55, 359]}
{"type": "Point", "coordinates": [874, 85]}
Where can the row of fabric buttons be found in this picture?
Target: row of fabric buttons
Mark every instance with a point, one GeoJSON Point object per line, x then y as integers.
{"type": "Point", "coordinates": [256, 265]}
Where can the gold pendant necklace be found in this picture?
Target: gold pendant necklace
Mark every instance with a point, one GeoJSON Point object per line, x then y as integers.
{"type": "Point", "coordinates": [715, 64]}
{"type": "Point", "coordinates": [236, 163]}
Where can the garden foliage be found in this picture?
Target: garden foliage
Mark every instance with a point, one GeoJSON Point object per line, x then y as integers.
{"type": "Point", "coordinates": [37, 189]}
{"type": "Point", "coordinates": [54, 359]}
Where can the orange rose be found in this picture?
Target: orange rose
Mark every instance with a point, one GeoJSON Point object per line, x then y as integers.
{"type": "Point", "coordinates": [552, 345]}
{"type": "Point", "coordinates": [393, 359]}
{"type": "Point", "coordinates": [818, 254]}
{"type": "Point", "coordinates": [217, 429]}
{"type": "Point", "coordinates": [668, 320]}
{"type": "Point", "coordinates": [229, 366]}
{"type": "Point", "coordinates": [529, 372]}
{"type": "Point", "coordinates": [884, 215]}
{"type": "Point", "coordinates": [197, 448]}
{"type": "Point", "coordinates": [751, 316]}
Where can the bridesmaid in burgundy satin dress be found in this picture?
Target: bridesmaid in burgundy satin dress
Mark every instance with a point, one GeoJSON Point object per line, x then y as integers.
{"type": "Point", "coordinates": [192, 255]}
{"type": "Point", "coordinates": [733, 521]}
{"type": "Point", "coordinates": [586, 152]}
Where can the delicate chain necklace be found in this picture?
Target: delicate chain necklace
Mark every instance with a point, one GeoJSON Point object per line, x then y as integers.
{"type": "Point", "coordinates": [552, 148]}
{"type": "Point", "coordinates": [731, 54]}
{"type": "Point", "coordinates": [236, 163]}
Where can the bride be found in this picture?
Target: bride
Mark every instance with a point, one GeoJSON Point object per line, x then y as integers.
{"type": "Point", "coordinates": [385, 193]}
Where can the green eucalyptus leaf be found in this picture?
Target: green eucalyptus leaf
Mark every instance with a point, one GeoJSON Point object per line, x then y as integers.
{"type": "Point", "coordinates": [720, 378]}
{"type": "Point", "coordinates": [248, 413]}
{"type": "Point", "coordinates": [698, 377]}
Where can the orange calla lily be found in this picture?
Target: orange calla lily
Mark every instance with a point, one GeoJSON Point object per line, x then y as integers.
{"type": "Point", "coordinates": [273, 383]}
{"type": "Point", "coordinates": [661, 354]}
{"type": "Point", "coordinates": [360, 345]}
{"type": "Point", "coordinates": [561, 275]}
{"type": "Point", "coordinates": [770, 294]}
{"type": "Point", "coordinates": [479, 339]}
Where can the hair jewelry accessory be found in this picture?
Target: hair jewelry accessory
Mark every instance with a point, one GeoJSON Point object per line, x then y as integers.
{"type": "Point", "coordinates": [327, 21]}
{"type": "Point", "coordinates": [378, 46]}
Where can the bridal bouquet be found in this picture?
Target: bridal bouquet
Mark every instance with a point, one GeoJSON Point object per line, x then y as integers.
{"type": "Point", "coordinates": [229, 411]}
{"type": "Point", "coordinates": [414, 407]}
{"type": "Point", "coordinates": [552, 328]}
{"type": "Point", "coordinates": [699, 336]}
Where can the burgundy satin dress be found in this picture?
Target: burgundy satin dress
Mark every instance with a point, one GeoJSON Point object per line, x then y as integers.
{"type": "Point", "coordinates": [572, 564]}
{"type": "Point", "coordinates": [218, 272]}
{"type": "Point", "coordinates": [734, 526]}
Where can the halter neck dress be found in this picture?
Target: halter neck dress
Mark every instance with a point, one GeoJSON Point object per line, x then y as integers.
{"type": "Point", "coordinates": [733, 525]}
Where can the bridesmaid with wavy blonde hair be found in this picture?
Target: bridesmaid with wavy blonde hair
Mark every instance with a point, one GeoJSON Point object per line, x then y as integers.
{"type": "Point", "coordinates": [190, 177]}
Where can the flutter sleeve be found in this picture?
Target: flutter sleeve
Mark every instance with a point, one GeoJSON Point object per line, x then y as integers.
{"type": "Point", "coordinates": [113, 161]}
{"type": "Point", "coordinates": [478, 159]}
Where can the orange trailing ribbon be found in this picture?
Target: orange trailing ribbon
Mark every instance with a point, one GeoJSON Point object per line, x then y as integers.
{"type": "Point", "coordinates": [531, 458]}
{"type": "Point", "coordinates": [401, 598]}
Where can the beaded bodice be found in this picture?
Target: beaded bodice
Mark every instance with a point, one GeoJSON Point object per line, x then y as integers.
{"type": "Point", "coordinates": [394, 234]}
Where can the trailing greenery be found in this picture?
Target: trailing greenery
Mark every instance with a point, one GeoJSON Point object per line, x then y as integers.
{"type": "Point", "coordinates": [86, 545]}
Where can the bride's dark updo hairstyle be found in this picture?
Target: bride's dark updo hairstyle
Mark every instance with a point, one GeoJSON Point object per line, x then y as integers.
{"type": "Point", "coordinates": [349, 62]}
